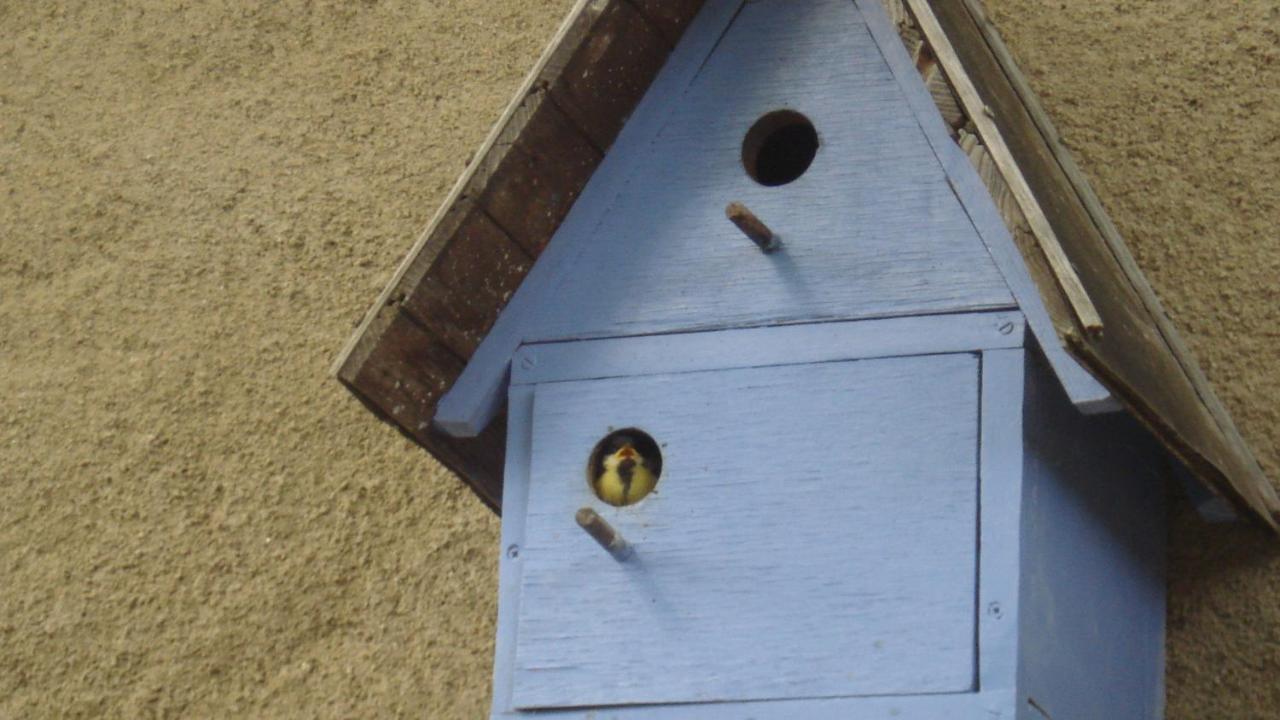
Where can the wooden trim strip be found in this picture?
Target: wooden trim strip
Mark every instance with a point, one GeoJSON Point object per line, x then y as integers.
{"type": "Point", "coordinates": [764, 346]}
{"type": "Point", "coordinates": [980, 115]}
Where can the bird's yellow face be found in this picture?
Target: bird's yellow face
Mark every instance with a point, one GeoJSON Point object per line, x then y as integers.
{"type": "Point", "coordinates": [624, 474]}
{"type": "Point", "coordinates": [626, 452]}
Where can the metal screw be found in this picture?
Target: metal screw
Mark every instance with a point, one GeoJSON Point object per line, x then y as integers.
{"type": "Point", "coordinates": [513, 551]}
{"type": "Point", "coordinates": [995, 611]}
{"type": "Point", "coordinates": [528, 362]}
{"type": "Point", "coordinates": [1006, 328]}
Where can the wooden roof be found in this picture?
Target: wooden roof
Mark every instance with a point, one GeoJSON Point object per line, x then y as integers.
{"type": "Point", "coordinates": [415, 341]}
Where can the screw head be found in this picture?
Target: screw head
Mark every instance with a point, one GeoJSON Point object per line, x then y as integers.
{"type": "Point", "coordinates": [1006, 328]}
{"type": "Point", "coordinates": [513, 551]}
{"type": "Point", "coordinates": [995, 610]}
{"type": "Point", "coordinates": [528, 362]}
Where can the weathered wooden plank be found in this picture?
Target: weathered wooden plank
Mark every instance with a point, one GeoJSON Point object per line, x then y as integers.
{"type": "Point", "coordinates": [603, 81]}
{"type": "Point", "coordinates": [401, 384]}
{"type": "Point", "coordinates": [540, 177]}
{"type": "Point", "coordinates": [1117, 245]}
{"type": "Point", "coordinates": [978, 113]}
{"type": "Point", "coordinates": [1133, 356]}
{"type": "Point", "coordinates": [764, 346]}
{"type": "Point", "coordinates": [939, 89]}
{"type": "Point", "coordinates": [669, 16]}
{"type": "Point", "coordinates": [469, 283]}
{"type": "Point", "coordinates": [410, 372]}
{"type": "Point", "coordinates": [732, 543]}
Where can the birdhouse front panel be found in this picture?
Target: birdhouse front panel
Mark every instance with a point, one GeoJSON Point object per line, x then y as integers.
{"type": "Point", "coordinates": [797, 116]}
{"type": "Point", "coordinates": [812, 533]}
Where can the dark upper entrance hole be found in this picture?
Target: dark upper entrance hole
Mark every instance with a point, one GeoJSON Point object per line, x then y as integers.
{"type": "Point", "coordinates": [779, 147]}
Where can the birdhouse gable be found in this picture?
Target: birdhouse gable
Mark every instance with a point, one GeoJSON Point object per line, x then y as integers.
{"type": "Point", "coordinates": [787, 179]}
{"type": "Point", "coordinates": [696, 167]}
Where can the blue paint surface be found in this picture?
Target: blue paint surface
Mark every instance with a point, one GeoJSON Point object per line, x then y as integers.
{"type": "Point", "coordinates": [813, 534]}
{"type": "Point", "coordinates": [1093, 585]}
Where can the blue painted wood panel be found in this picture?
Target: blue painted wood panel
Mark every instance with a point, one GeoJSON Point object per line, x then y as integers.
{"type": "Point", "coordinates": [871, 229]}
{"type": "Point", "coordinates": [1093, 589]}
{"type": "Point", "coordinates": [813, 534]}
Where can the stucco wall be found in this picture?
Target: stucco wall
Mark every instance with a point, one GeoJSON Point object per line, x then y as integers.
{"type": "Point", "coordinates": [198, 201]}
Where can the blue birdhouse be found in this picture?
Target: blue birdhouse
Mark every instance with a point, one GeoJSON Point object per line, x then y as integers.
{"type": "Point", "coordinates": [808, 374]}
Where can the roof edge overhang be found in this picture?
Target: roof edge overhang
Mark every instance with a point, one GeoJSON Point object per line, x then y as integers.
{"type": "Point", "coordinates": [414, 343]}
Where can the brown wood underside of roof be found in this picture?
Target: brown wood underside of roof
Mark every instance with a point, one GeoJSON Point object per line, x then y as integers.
{"type": "Point", "coordinates": [449, 291]}
{"type": "Point", "coordinates": [1134, 356]}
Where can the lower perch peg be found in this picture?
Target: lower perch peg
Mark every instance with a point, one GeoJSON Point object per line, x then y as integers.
{"type": "Point", "coordinates": [602, 532]}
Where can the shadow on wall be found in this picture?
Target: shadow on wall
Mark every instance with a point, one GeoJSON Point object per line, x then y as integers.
{"type": "Point", "coordinates": [1209, 561]}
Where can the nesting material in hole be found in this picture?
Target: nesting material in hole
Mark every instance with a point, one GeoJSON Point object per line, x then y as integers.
{"type": "Point", "coordinates": [779, 147]}
{"type": "Point", "coordinates": [624, 467]}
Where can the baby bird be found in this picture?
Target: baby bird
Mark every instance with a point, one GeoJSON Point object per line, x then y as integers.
{"type": "Point", "coordinates": [623, 474]}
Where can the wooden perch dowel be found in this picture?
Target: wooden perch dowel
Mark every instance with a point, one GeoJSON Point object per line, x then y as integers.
{"type": "Point", "coordinates": [752, 227]}
{"type": "Point", "coordinates": [602, 532]}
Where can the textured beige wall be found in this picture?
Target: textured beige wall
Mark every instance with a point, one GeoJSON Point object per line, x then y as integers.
{"type": "Point", "coordinates": [198, 200]}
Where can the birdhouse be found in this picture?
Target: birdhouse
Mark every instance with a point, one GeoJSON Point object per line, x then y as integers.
{"type": "Point", "coordinates": [809, 375]}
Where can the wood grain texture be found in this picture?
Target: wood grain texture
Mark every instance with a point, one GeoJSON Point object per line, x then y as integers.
{"type": "Point", "coordinates": [842, 566]}
{"type": "Point", "coordinates": [670, 17]}
{"type": "Point", "coordinates": [1093, 588]}
{"type": "Point", "coordinates": [401, 385]}
{"type": "Point", "coordinates": [761, 347]}
{"type": "Point", "coordinates": [1085, 391]}
{"type": "Point", "coordinates": [469, 283]}
{"type": "Point", "coordinates": [605, 79]}
{"type": "Point", "coordinates": [870, 229]}
{"type": "Point", "coordinates": [540, 177]}
{"type": "Point", "coordinates": [1134, 358]}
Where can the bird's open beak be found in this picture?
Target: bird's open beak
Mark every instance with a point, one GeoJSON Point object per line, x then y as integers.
{"type": "Point", "coordinates": [627, 452]}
